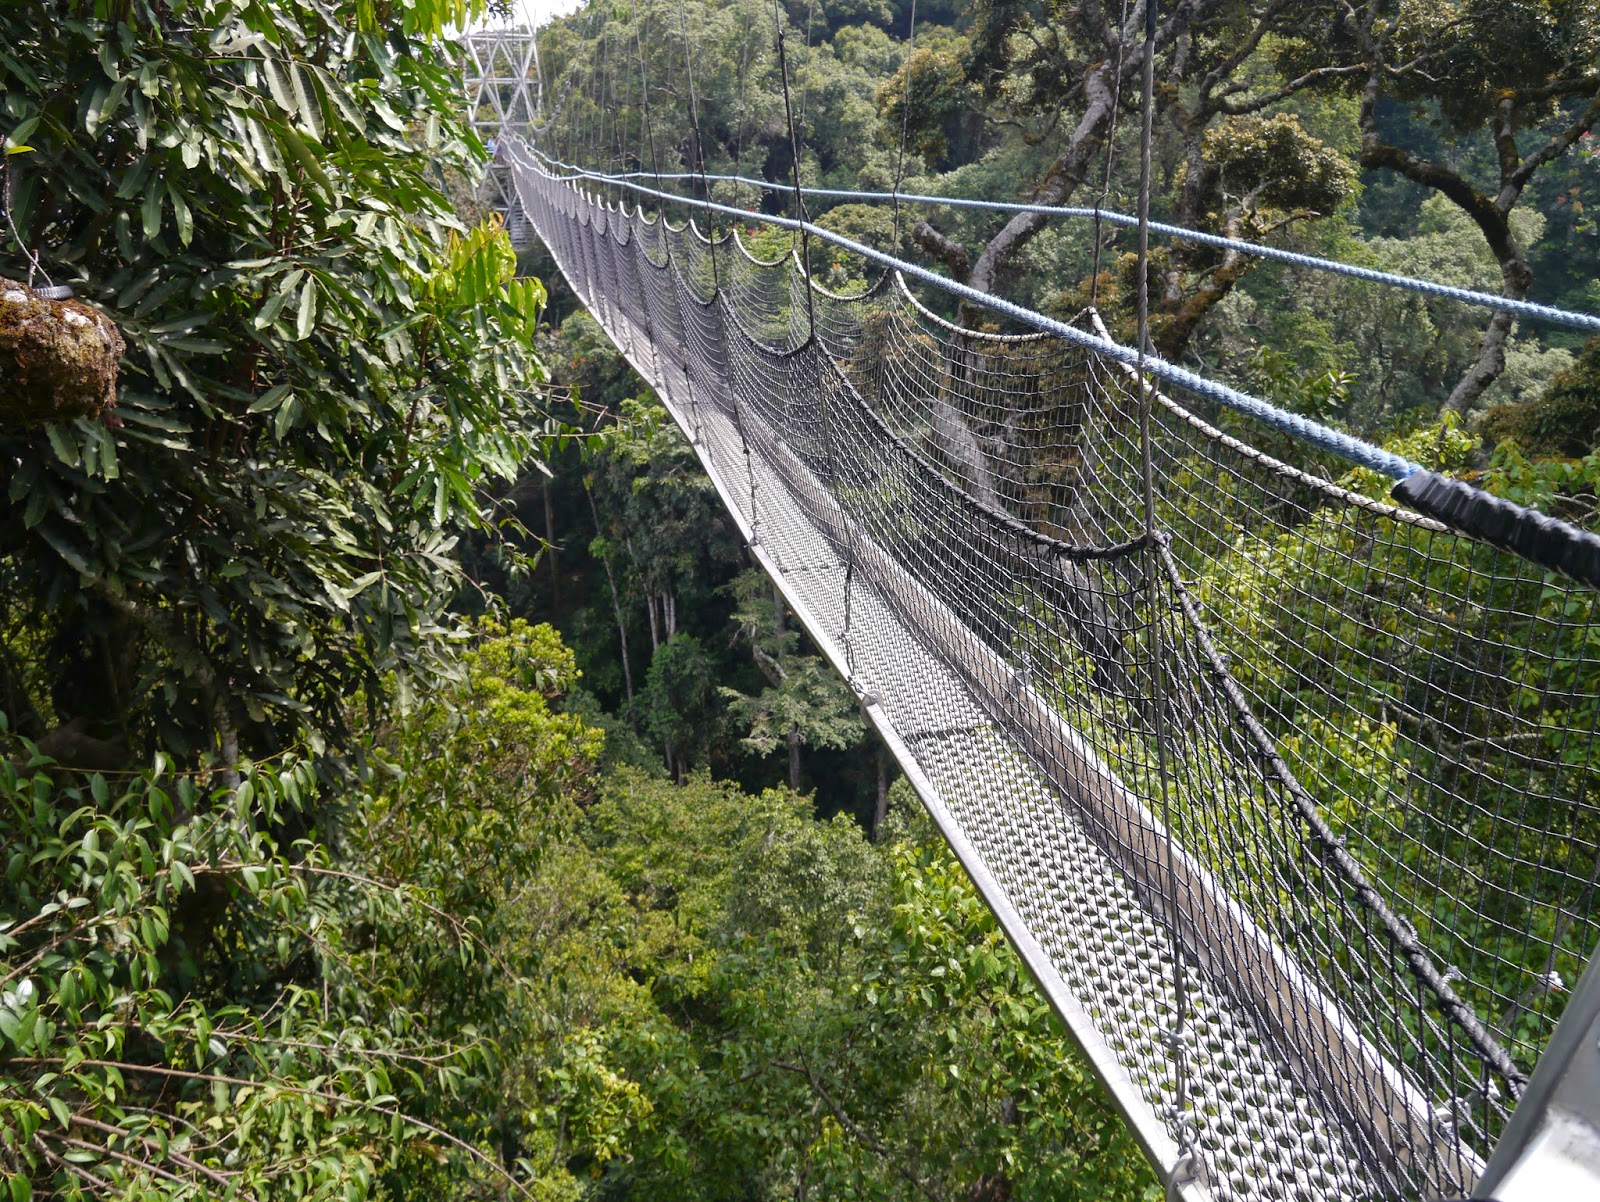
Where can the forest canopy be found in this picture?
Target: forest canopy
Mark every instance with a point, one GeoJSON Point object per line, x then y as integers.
{"type": "Point", "coordinates": [1450, 140]}
{"type": "Point", "coordinates": [410, 785]}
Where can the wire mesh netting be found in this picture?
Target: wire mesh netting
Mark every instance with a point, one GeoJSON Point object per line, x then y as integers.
{"type": "Point", "coordinates": [1290, 804]}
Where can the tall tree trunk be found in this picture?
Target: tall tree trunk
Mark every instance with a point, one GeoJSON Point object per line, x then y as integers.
{"type": "Point", "coordinates": [227, 744]}
{"type": "Point", "coordinates": [1063, 178]}
{"type": "Point", "coordinates": [880, 809]}
{"type": "Point", "coordinates": [794, 758]}
{"type": "Point", "coordinates": [550, 547]}
{"type": "Point", "coordinates": [616, 600]}
{"type": "Point", "coordinates": [1486, 368]}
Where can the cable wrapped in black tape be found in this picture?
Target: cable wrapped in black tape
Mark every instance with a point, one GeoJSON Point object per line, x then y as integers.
{"type": "Point", "coordinates": [1537, 537]}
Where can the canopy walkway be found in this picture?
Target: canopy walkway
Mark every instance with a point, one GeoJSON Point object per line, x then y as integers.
{"type": "Point", "coordinates": [1285, 792]}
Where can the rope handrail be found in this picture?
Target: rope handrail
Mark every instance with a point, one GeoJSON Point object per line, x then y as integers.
{"type": "Point", "coordinates": [1307, 430]}
{"type": "Point", "coordinates": [1549, 541]}
{"type": "Point", "coordinates": [1485, 300]}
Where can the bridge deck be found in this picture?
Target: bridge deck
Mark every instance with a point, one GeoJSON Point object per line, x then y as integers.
{"type": "Point", "coordinates": [1102, 957]}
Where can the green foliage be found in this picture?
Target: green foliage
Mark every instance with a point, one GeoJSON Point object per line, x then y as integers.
{"type": "Point", "coordinates": [752, 1000]}
{"type": "Point", "coordinates": [1483, 48]}
{"type": "Point", "coordinates": [1273, 163]}
{"type": "Point", "coordinates": [662, 514]}
{"type": "Point", "coordinates": [195, 1004]}
{"type": "Point", "coordinates": [678, 700]}
{"type": "Point", "coordinates": [1564, 421]}
{"type": "Point", "coordinates": [935, 76]}
{"type": "Point", "coordinates": [805, 703]}
{"type": "Point", "coordinates": [322, 368]}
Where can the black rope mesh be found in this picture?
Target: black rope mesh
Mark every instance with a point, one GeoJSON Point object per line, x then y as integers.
{"type": "Point", "coordinates": [1382, 781]}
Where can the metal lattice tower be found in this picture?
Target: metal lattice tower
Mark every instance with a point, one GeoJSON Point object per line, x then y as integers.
{"type": "Point", "coordinates": [504, 94]}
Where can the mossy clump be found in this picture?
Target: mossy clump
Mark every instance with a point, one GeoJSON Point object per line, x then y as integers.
{"type": "Point", "coordinates": [58, 358]}
{"type": "Point", "coordinates": [1563, 422]}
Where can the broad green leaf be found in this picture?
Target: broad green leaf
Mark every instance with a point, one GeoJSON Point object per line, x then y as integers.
{"type": "Point", "coordinates": [151, 209]}
{"type": "Point", "coordinates": [15, 141]}
{"type": "Point", "coordinates": [277, 83]}
{"type": "Point", "coordinates": [306, 316]}
{"type": "Point", "coordinates": [307, 100]}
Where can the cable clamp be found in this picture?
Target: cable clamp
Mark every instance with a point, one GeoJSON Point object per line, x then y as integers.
{"type": "Point", "coordinates": [1190, 1170]}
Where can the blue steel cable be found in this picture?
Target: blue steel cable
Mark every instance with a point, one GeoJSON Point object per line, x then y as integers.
{"type": "Point", "coordinates": [1485, 300]}
{"type": "Point", "coordinates": [1314, 433]}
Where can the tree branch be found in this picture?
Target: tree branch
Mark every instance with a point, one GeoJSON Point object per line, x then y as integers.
{"type": "Point", "coordinates": [858, 1133]}
{"type": "Point", "coordinates": [947, 250]}
{"type": "Point", "coordinates": [1256, 103]}
{"type": "Point", "coordinates": [1560, 144]}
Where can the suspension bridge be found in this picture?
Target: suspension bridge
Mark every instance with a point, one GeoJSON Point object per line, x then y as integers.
{"type": "Point", "coordinates": [1281, 777]}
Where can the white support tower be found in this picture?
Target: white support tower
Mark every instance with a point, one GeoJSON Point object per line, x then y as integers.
{"type": "Point", "coordinates": [505, 95]}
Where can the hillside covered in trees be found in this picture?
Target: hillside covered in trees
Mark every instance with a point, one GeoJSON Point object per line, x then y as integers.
{"type": "Point", "coordinates": [411, 787]}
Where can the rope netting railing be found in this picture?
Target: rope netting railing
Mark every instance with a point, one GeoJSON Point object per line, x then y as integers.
{"type": "Point", "coordinates": [746, 187]}
{"type": "Point", "coordinates": [1324, 943]}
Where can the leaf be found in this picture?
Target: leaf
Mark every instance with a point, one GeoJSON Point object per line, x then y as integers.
{"type": "Point", "coordinates": [306, 317]}
{"type": "Point", "coordinates": [181, 211]}
{"type": "Point", "coordinates": [16, 139]}
{"type": "Point", "coordinates": [306, 98]}
{"type": "Point", "coordinates": [270, 399]}
{"type": "Point", "coordinates": [66, 449]}
{"type": "Point", "coordinates": [286, 417]}
{"type": "Point", "coordinates": [342, 102]}
{"type": "Point", "coordinates": [277, 84]}
{"type": "Point", "coordinates": [303, 155]}
{"type": "Point", "coordinates": [151, 210]}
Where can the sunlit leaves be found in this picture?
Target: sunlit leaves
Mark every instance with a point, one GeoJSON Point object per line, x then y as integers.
{"type": "Point", "coordinates": [323, 368]}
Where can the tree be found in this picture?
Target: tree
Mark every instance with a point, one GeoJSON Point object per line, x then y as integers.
{"type": "Point", "coordinates": [1564, 421]}
{"type": "Point", "coordinates": [1060, 76]}
{"type": "Point", "coordinates": [322, 365]}
{"type": "Point", "coordinates": [803, 1014]}
{"type": "Point", "coordinates": [222, 577]}
{"type": "Point", "coordinates": [658, 515]}
{"type": "Point", "coordinates": [1520, 74]}
{"type": "Point", "coordinates": [677, 702]}
{"type": "Point", "coordinates": [193, 1006]}
{"type": "Point", "coordinates": [805, 703]}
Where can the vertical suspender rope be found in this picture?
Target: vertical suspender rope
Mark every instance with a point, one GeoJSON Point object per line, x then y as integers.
{"type": "Point", "coordinates": [905, 125]}
{"type": "Point", "coordinates": [744, 69]}
{"type": "Point", "coordinates": [1111, 150]}
{"type": "Point", "coordinates": [794, 171]}
{"type": "Point", "coordinates": [716, 281]}
{"type": "Point", "coordinates": [1188, 1168]}
{"type": "Point", "coordinates": [699, 145]}
{"type": "Point", "coordinates": [813, 347]}
{"type": "Point", "coordinates": [644, 104]}
{"type": "Point", "coordinates": [699, 165]}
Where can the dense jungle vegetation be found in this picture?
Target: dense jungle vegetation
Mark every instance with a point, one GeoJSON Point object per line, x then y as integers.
{"type": "Point", "coordinates": [333, 870]}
